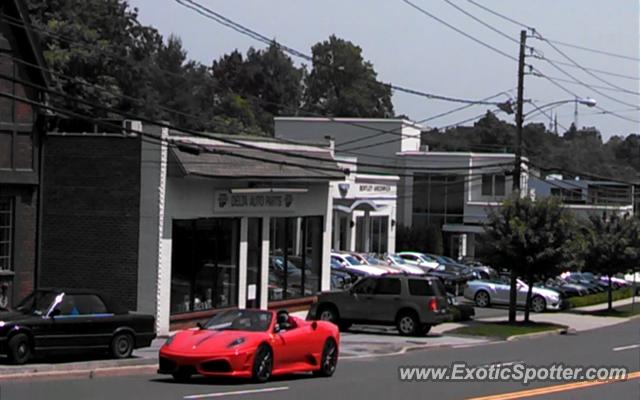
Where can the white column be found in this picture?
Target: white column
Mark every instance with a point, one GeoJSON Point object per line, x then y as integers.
{"type": "Point", "coordinates": [325, 272]}
{"type": "Point", "coordinates": [264, 265]}
{"type": "Point", "coordinates": [336, 231]}
{"type": "Point", "coordinates": [242, 263]}
{"type": "Point", "coordinates": [366, 233]}
{"type": "Point", "coordinates": [391, 233]}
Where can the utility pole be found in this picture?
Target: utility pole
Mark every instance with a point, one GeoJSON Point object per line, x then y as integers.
{"type": "Point", "coordinates": [517, 168]}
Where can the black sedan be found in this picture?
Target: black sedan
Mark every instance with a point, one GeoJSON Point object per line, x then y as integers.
{"type": "Point", "coordinates": [66, 320]}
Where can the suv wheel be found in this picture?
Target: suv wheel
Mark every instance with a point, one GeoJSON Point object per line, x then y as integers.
{"type": "Point", "coordinates": [328, 313]}
{"type": "Point", "coordinates": [482, 299]}
{"type": "Point", "coordinates": [408, 324]}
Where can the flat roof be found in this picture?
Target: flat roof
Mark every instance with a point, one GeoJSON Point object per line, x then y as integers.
{"type": "Point", "coordinates": [352, 120]}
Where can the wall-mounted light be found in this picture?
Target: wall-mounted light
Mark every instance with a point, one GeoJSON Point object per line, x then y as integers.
{"type": "Point", "coordinates": [393, 223]}
{"type": "Point", "coordinates": [352, 223]}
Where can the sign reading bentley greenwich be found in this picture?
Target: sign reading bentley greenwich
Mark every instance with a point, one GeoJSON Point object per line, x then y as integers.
{"type": "Point", "coordinates": [225, 201]}
{"type": "Point", "coordinates": [368, 188]}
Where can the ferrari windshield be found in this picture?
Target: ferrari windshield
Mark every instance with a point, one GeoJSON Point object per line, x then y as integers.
{"type": "Point", "coordinates": [240, 320]}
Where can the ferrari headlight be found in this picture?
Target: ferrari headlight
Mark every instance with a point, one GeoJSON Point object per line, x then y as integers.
{"type": "Point", "coordinates": [236, 342]}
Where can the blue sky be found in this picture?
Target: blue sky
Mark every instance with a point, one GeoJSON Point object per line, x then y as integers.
{"type": "Point", "coordinates": [409, 49]}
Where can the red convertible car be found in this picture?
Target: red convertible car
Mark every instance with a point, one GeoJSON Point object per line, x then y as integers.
{"type": "Point", "coordinates": [252, 344]}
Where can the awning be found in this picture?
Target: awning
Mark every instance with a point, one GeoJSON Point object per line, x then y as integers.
{"type": "Point", "coordinates": [359, 205]}
{"type": "Point", "coordinates": [252, 163]}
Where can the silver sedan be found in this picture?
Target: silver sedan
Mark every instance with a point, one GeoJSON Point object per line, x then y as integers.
{"type": "Point", "coordinates": [487, 292]}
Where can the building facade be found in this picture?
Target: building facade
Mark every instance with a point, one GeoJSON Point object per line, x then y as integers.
{"type": "Point", "coordinates": [364, 207]}
{"type": "Point", "coordinates": [21, 127]}
{"type": "Point", "coordinates": [182, 227]}
{"type": "Point", "coordinates": [452, 191]}
{"type": "Point", "coordinates": [587, 198]}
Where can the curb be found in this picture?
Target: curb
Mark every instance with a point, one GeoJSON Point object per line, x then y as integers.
{"type": "Point", "coordinates": [560, 331]}
{"type": "Point", "coordinates": [83, 373]}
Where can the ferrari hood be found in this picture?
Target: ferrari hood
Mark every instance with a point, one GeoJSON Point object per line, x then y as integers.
{"type": "Point", "coordinates": [208, 340]}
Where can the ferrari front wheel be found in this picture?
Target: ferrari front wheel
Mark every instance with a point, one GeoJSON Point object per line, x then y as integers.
{"type": "Point", "coordinates": [329, 360]}
{"type": "Point", "coordinates": [262, 364]}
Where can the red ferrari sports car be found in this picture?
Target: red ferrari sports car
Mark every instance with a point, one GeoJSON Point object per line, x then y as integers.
{"type": "Point", "coordinates": [252, 344]}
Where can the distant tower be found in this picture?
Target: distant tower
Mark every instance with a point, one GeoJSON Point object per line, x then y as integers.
{"type": "Point", "coordinates": [555, 124]}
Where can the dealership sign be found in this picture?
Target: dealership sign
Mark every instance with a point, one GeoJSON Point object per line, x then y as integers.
{"type": "Point", "coordinates": [231, 202]}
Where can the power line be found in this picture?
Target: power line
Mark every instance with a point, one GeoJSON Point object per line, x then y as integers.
{"type": "Point", "coordinates": [219, 18]}
{"type": "Point", "coordinates": [487, 45]}
{"type": "Point", "coordinates": [523, 25]}
{"type": "Point", "coordinates": [223, 140]}
{"type": "Point", "coordinates": [394, 131]}
{"type": "Point", "coordinates": [69, 41]}
{"type": "Point", "coordinates": [531, 67]}
{"type": "Point", "coordinates": [628, 92]}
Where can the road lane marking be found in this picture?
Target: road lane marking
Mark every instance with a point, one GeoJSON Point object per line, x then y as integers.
{"type": "Point", "coordinates": [622, 348]}
{"type": "Point", "coordinates": [554, 389]}
{"type": "Point", "coordinates": [236, 393]}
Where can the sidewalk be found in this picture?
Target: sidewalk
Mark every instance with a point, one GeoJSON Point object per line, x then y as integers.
{"type": "Point", "coordinates": [603, 306]}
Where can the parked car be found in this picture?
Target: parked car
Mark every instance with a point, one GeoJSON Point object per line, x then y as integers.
{"type": "Point", "coordinates": [54, 320]}
{"type": "Point", "coordinates": [452, 277]}
{"type": "Point", "coordinates": [254, 344]}
{"type": "Point", "coordinates": [413, 303]}
{"type": "Point", "coordinates": [484, 272]}
{"type": "Point", "coordinates": [353, 264]}
{"type": "Point", "coordinates": [368, 259]}
{"type": "Point", "coordinates": [419, 259]}
{"type": "Point", "coordinates": [566, 289]}
{"type": "Point", "coordinates": [399, 262]}
{"type": "Point", "coordinates": [460, 312]}
{"type": "Point", "coordinates": [486, 293]}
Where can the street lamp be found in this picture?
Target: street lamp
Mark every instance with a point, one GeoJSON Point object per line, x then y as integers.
{"type": "Point", "coordinates": [586, 101]}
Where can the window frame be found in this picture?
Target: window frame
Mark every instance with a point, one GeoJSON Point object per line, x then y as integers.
{"type": "Point", "coordinates": [10, 234]}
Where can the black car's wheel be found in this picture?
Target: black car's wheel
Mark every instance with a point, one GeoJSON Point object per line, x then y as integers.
{"type": "Point", "coordinates": [181, 375]}
{"type": "Point", "coordinates": [408, 324]}
{"type": "Point", "coordinates": [329, 360]}
{"type": "Point", "coordinates": [482, 299]}
{"type": "Point", "coordinates": [122, 345]}
{"type": "Point", "coordinates": [19, 349]}
{"type": "Point", "coordinates": [538, 304]}
{"type": "Point", "coordinates": [262, 364]}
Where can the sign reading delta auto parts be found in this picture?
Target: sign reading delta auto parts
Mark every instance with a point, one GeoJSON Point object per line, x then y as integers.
{"type": "Point", "coordinates": [226, 202]}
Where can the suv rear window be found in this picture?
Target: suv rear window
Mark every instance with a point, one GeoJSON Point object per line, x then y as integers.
{"type": "Point", "coordinates": [388, 286]}
{"type": "Point", "coordinates": [425, 287]}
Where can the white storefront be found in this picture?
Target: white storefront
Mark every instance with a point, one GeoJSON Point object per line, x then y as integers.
{"type": "Point", "coordinates": [364, 209]}
{"type": "Point", "coordinates": [233, 230]}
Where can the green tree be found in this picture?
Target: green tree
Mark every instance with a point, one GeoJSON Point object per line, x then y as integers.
{"type": "Point", "coordinates": [530, 239]}
{"type": "Point", "coordinates": [612, 245]}
{"type": "Point", "coordinates": [102, 49]}
{"type": "Point", "coordinates": [342, 84]}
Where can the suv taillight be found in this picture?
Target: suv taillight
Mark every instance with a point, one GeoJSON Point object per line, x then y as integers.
{"type": "Point", "coordinates": [433, 305]}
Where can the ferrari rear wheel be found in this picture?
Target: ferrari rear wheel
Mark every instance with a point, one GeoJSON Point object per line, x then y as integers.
{"type": "Point", "coordinates": [262, 364]}
{"type": "Point", "coordinates": [329, 360]}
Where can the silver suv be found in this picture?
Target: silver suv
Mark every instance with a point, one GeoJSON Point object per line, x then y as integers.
{"type": "Point", "coordinates": [413, 303]}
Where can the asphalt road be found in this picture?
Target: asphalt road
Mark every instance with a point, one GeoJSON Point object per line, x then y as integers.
{"type": "Point", "coordinates": [377, 377]}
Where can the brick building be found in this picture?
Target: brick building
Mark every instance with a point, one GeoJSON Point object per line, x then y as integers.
{"type": "Point", "coordinates": [21, 125]}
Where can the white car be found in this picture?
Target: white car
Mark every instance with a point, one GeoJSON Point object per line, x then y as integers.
{"type": "Point", "coordinates": [399, 262]}
{"type": "Point", "coordinates": [486, 293]}
{"type": "Point", "coordinates": [419, 259]}
{"type": "Point", "coordinates": [351, 263]}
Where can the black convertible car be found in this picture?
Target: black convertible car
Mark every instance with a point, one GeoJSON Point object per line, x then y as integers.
{"type": "Point", "coordinates": [72, 320]}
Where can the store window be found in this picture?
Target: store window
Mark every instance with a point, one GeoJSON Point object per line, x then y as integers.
{"type": "Point", "coordinates": [378, 234]}
{"type": "Point", "coordinates": [6, 233]}
{"type": "Point", "coordinates": [494, 184]}
{"type": "Point", "coordinates": [205, 264]}
{"type": "Point", "coordinates": [295, 257]}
